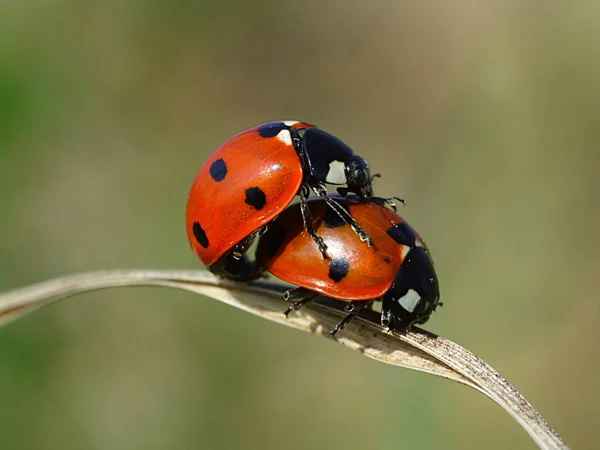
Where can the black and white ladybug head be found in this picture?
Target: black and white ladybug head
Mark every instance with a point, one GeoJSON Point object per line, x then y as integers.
{"type": "Point", "coordinates": [415, 293]}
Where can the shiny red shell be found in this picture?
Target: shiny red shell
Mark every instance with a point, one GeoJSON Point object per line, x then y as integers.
{"type": "Point", "coordinates": [243, 185]}
{"type": "Point", "coordinates": [355, 271]}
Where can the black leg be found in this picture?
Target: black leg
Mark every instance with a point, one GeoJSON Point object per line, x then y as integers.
{"type": "Point", "coordinates": [386, 318]}
{"type": "Point", "coordinates": [300, 297]}
{"type": "Point", "coordinates": [235, 264]}
{"type": "Point", "coordinates": [240, 249]}
{"type": "Point", "coordinates": [391, 321]}
{"type": "Point", "coordinates": [389, 202]}
{"type": "Point", "coordinates": [353, 309]}
{"type": "Point", "coordinates": [308, 222]}
{"type": "Point", "coordinates": [346, 217]}
{"type": "Point", "coordinates": [237, 268]}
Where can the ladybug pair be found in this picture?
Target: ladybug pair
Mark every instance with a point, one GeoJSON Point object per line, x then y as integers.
{"type": "Point", "coordinates": [351, 246]}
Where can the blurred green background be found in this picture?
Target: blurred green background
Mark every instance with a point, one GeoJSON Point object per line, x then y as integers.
{"type": "Point", "coordinates": [485, 116]}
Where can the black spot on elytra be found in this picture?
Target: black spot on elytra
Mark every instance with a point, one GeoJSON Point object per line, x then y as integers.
{"type": "Point", "coordinates": [271, 129]}
{"type": "Point", "coordinates": [338, 269]}
{"type": "Point", "coordinates": [403, 234]}
{"type": "Point", "coordinates": [274, 241]}
{"type": "Point", "coordinates": [331, 219]}
{"type": "Point", "coordinates": [200, 234]}
{"type": "Point", "coordinates": [387, 260]}
{"type": "Point", "coordinates": [256, 198]}
{"type": "Point", "coordinates": [218, 170]}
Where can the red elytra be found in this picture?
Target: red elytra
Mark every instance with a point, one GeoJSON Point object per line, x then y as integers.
{"type": "Point", "coordinates": [397, 268]}
{"type": "Point", "coordinates": [228, 199]}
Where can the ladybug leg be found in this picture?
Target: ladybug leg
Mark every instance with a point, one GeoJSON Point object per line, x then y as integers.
{"type": "Point", "coordinates": [386, 318]}
{"type": "Point", "coordinates": [235, 265]}
{"type": "Point", "coordinates": [389, 321]}
{"type": "Point", "coordinates": [386, 313]}
{"type": "Point", "coordinates": [300, 296]}
{"type": "Point", "coordinates": [353, 308]}
{"type": "Point", "coordinates": [241, 248]}
{"type": "Point", "coordinates": [389, 202]}
{"type": "Point", "coordinates": [308, 222]}
{"type": "Point", "coordinates": [237, 269]}
{"type": "Point", "coordinates": [321, 191]}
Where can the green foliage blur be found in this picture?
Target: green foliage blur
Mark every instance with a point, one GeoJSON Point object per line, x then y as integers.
{"type": "Point", "coordinates": [484, 116]}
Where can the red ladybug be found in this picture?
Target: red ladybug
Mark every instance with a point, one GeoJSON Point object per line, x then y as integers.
{"type": "Point", "coordinates": [397, 268]}
{"type": "Point", "coordinates": [254, 176]}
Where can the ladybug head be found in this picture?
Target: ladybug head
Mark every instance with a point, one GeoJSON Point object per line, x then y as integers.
{"type": "Point", "coordinates": [415, 293]}
{"type": "Point", "coordinates": [358, 177]}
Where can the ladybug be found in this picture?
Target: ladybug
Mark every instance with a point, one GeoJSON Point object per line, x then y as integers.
{"type": "Point", "coordinates": [254, 176]}
{"type": "Point", "coordinates": [397, 269]}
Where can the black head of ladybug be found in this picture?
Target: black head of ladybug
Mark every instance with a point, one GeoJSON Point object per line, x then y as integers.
{"type": "Point", "coordinates": [331, 161]}
{"type": "Point", "coordinates": [358, 177]}
{"type": "Point", "coordinates": [415, 293]}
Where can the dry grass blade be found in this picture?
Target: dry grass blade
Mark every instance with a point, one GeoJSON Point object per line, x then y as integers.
{"type": "Point", "coordinates": [417, 350]}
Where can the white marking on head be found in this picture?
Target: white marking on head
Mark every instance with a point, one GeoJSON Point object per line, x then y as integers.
{"type": "Point", "coordinates": [336, 173]}
{"type": "Point", "coordinates": [285, 136]}
{"type": "Point", "coordinates": [419, 243]}
{"type": "Point", "coordinates": [410, 300]}
{"type": "Point", "coordinates": [289, 123]}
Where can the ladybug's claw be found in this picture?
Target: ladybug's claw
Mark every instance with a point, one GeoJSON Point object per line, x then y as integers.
{"type": "Point", "coordinates": [386, 318]}
{"type": "Point", "coordinates": [389, 202]}
{"type": "Point", "coordinates": [301, 296]}
{"type": "Point", "coordinates": [340, 325]}
{"type": "Point", "coordinates": [353, 308]}
{"type": "Point", "coordinates": [296, 306]}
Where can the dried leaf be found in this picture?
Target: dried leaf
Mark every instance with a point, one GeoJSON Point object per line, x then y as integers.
{"type": "Point", "coordinates": [418, 350]}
